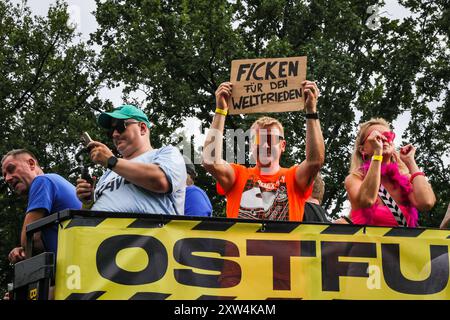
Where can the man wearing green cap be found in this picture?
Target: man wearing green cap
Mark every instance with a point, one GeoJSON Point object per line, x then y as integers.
{"type": "Point", "coordinates": [143, 180]}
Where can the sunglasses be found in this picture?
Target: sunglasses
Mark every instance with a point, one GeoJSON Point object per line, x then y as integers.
{"type": "Point", "coordinates": [270, 139]}
{"type": "Point", "coordinates": [120, 126]}
{"type": "Point", "coordinates": [390, 136]}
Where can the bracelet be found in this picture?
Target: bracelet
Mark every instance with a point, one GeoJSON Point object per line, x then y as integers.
{"type": "Point", "coordinates": [221, 111]}
{"type": "Point", "coordinates": [377, 157]}
{"type": "Point", "coordinates": [418, 173]}
{"type": "Point", "coordinates": [314, 115]}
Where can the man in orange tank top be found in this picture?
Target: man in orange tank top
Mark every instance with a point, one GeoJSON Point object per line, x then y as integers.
{"type": "Point", "coordinates": [265, 191]}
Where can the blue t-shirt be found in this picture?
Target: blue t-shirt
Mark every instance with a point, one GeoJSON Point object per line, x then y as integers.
{"type": "Point", "coordinates": [51, 193]}
{"type": "Point", "coordinates": [114, 193]}
{"type": "Point", "coordinates": [197, 202]}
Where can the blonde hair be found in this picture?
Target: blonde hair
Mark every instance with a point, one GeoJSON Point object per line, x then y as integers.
{"type": "Point", "coordinates": [267, 122]}
{"type": "Point", "coordinates": [357, 160]}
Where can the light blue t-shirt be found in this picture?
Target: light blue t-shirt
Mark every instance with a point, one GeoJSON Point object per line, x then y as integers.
{"type": "Point", "coordinates": [114, 193]}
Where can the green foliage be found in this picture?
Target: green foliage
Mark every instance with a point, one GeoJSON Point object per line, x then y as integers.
{"type": "Point", "coordinates": [48, 89]}
{"type": "Point", "coordinates": [429, 128]}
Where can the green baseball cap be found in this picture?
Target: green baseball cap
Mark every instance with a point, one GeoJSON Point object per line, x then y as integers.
{"type": "Point", "coordinates": [126, 111]}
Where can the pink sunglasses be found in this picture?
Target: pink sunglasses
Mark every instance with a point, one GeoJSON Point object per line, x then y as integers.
{"type": "Point", "coordinates": [390, 136]}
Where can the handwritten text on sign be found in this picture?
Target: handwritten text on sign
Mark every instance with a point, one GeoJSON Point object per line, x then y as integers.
{"type": "Point", "coordinates": [267, 85]}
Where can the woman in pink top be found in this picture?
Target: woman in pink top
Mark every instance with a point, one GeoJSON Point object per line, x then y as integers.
{"type": "Point", "coordinates": [375, 163]}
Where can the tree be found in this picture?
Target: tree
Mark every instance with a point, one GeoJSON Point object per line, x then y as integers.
{"type": "Point", "coordinates": [429, 127]}
{"type": "Point", "coordinates": [178, 52]}
{"type": "Point", "coordinates": [48, 95]}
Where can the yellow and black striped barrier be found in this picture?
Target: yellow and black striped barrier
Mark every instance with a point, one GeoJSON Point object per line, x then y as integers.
{"type": "Point", "coordinates": [120, 256]}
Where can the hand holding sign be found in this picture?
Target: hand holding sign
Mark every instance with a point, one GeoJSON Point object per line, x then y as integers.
{"type": "Point", "coordinates": [223, 94]}
{"type": "Point", "coordinates": [311, 94]}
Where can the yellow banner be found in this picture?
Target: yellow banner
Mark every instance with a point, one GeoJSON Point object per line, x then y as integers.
{"type": "Point", "coordinates": [123, 258]}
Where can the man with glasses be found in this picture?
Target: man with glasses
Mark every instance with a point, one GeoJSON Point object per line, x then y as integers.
{"type": "Point", "coordinates": [143, 180]}
{"type": "Point", "coordinates": [266, 191]}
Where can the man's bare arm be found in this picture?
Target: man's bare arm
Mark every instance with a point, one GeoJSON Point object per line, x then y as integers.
{"type": "Point", "coordinates": [213, 148]}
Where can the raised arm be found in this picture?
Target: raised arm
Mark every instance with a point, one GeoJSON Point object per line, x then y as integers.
{"type": "Point", "coordinates": [212, 150]}
{"type": "Point", "coordinates": [363, 192]}
{"type": "Point", "coordinates": [422, 197]}
{"type": "Point", "coordinates": [315, 149]}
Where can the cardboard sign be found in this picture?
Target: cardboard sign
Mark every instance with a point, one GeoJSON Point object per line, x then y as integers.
{"type": "Point", "coordinates": [267, 85]}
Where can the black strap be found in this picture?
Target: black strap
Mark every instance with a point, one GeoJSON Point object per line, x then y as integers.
{"type": "Point", "coordinates": [347, 219]}
{"type": "Point", "coordinates": [392, 205]}
{"type": "Point", "coordinates": [314, 115]}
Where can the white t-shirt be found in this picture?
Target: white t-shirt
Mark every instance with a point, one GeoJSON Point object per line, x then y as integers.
{"type": "Point", "coordinates": [114, 193]}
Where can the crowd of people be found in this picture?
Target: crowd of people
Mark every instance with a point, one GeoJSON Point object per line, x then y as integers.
{"type": "Point", "coordinates": [384, 187]}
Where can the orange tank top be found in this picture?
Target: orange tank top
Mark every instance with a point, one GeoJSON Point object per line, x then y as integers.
{"type": "Point", "coordinates": [270, 197]}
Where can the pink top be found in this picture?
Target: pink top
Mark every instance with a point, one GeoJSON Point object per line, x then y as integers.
{"type": "Point", "coordinates": [380, 215]}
